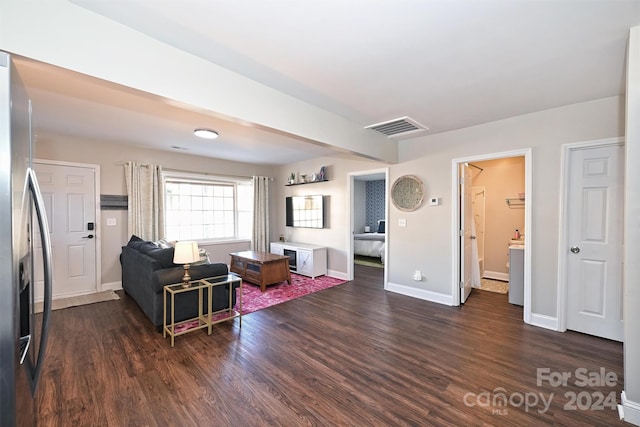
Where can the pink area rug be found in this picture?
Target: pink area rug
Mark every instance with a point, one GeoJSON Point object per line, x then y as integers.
{"type": "Point", "coordinates": [253, 299]}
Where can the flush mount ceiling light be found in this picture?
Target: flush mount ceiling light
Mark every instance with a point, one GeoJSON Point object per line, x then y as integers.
{"type": "Point", "coordinates": [205, 133]}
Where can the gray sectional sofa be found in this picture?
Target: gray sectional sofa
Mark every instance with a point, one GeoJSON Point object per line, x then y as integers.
{"type": "Point", "coordinates": [147, 268]}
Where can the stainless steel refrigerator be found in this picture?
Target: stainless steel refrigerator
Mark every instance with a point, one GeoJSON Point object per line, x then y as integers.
{"type": "Point", "coordinates": [23, 230]}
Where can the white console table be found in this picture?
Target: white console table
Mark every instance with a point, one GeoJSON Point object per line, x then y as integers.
{"type": "Point", "coordinates": [308, 260]}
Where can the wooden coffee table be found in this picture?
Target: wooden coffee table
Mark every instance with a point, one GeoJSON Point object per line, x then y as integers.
{"type": "Point", "coordinates": [261, 268]}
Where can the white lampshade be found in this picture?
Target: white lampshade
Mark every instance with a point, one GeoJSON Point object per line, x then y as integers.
{"type": "Point", "coordinates": [186, 252]}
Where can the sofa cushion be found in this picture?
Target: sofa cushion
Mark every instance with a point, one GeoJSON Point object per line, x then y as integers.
{"type": "Point", "coordinates": [164, 257]}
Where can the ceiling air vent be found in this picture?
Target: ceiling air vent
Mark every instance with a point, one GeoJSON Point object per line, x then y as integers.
{"type": "Point", "coordinates": [399, 128]}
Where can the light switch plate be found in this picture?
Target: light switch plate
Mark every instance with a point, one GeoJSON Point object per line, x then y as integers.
{"type": "Point", "coordinates": [112, 221]}
{"type": "Point", "coordinates": [434, 201]}
{"type": "Point", "coordinates": [402, 222]}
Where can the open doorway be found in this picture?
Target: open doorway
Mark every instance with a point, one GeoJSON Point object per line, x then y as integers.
{"type": "Point", "coordinates": [368, 234]}
{"type": "Point", "coordinates": [492, 216]}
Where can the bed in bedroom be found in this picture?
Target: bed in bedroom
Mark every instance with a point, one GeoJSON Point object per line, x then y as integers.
{"type": "Point", "coordinates": [370, 244]}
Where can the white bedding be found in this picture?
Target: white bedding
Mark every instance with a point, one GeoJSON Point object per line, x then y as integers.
{"type": "Point", "coordinates": [369, 244]}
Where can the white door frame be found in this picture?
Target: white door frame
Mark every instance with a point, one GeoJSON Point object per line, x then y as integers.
{"type": "Point", "coordinates": [351, 178]}
{"type": "Point", "coordinates": [455, 221]}
{"type": "Point", "coordinates": [98, 224]}
{"type": "Point", "coordinates": [563, 241]}
{"type": "Point", "coordinates": [465, 183]}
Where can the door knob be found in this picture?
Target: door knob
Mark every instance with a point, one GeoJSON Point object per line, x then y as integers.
{"type": "Point", "coordinates": [90, 236]}
{"type": "Point", "coordinates": [473, 237]}
{"type": "Point", "coordinates": [575, 249]}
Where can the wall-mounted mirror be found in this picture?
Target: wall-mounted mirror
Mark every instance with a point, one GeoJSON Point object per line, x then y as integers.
{"type": "Point", "coordinates": [407, 193]}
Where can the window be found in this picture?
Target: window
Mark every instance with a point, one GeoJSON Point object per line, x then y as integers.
{"type": "Point", "coordinates": [202, 207]}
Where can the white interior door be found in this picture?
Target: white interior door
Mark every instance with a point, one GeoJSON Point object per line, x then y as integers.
{"type": "Point", "coordinates": [594, 261]}
{"type": "Point", "coordinates": [465, 234]}
{"type": "Point", "coordinates": [70, 202]}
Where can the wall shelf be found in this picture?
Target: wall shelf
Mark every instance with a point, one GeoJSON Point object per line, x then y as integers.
{"type": "Point", "coordinates": [515, 201]}
{"type": "Point", "coordinates": [311, 178]}
{"type": "Point", "coordinates": [303, 183]}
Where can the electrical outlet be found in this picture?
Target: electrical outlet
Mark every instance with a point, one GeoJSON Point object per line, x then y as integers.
{"type": "Point", "coordinates": [402, 222]}
{"type": "Point", "coordinates": [112, 221]}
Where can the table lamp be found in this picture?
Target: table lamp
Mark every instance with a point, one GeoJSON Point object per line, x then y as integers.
{"type": "Point", "coordinates": [185, 253]}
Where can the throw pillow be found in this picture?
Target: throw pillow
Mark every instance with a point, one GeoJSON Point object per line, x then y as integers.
{"type": "Point", "coordinates": [204, 257]}
{"type": "Point", "coordinates": [134, 238]}
{"type": "Point", "coordinates": [164, 243]}
{"type": "Point", "coordinates": [135, 242]}
{"type": "Point", "coordinates": [164, 257]}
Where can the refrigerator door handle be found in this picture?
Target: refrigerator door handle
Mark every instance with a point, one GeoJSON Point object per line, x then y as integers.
{"type": "Point", "coordinates": [41, 214]}
{"type": "Point", "coordinates": [24, 347]}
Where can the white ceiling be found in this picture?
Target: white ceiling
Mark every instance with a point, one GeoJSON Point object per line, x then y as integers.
{"type": "Point", "coordinates": [446, 63]}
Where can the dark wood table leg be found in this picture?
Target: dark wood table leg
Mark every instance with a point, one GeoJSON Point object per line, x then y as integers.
{"type": "Point", "coordinates": [286, 267]}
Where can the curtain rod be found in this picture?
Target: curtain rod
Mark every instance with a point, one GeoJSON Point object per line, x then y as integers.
{"type": "Point", "coordinates": [207, 173]}
{"type": "Point", "coordinates": [144, 165]}
{"type": "Point", "coordinates": [213, 174]}
{"type": "Point", "coordinates": [200, 173]}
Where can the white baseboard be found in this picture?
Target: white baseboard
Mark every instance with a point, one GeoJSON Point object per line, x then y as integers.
{"type": "Point", "coordinates": [112, 286]}
{"type": "Point", "coordinates": [337, 274]}
{"type": "Point", "coordinates": [496, 275]}
{"type": "Point", "coordinates": [423, 294]}
{"type": "Point", "coordinates": [544, 321]}
{"type": "Point", "coordinates": [629, 411]}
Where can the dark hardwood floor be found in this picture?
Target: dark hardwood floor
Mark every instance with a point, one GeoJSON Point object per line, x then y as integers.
{"type": "Point", "coordinates": [352, 355]}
